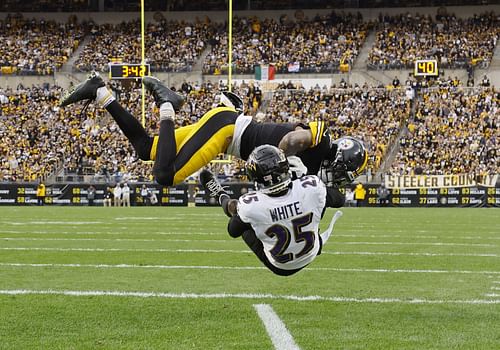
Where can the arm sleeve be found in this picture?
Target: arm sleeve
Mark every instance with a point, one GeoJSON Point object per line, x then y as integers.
{"type": "Point", "coordinates": [334, 198]}
{"type": "Point", "coordinates": [236, 226]}
{"type": "Point", "coordinates": [317, 131]}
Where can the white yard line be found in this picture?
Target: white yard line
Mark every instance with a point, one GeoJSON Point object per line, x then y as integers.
{"type": "Point", "coordinates": [493, 295]}
{"type": "Point", "coordinates": [495, 288]}
{"type": "Point", "coordinates": [417, 236]}
{"type": "Point", "coordinates": [229, 251]}
{"type": "Point", "coordinates": [211, 267]}
{"type": "Point", "coordinates": [305, 298]}
{"type": "Point", "coordinates": [157, 250]}
{"type": "Point", "coordinates": [117, 232]}
{"type": "Point", "coordinates": [419, 243]}
{"type": "Point", "coordinates": [411, 254]}
{"type": "Point", "coordinates": [276, 329]}
{"type": "Point", "coordinates": [222, 232]}
{"type": "Point", "coordinates": [114, 239]}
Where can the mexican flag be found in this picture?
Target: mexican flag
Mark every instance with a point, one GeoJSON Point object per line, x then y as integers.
{"type": "Point", "coordinates": [264, 72]}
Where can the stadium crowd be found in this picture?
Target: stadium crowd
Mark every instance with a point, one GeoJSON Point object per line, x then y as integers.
{"type": "Point", "coordinates": [454, 42]}
{"type": "Point", "coordinates": [36, 47]}
{"type": "Point", "coordinates": [323, 43]}
{"type": "Point", "coordinates": [456, 130]}
{"type": "Point", "coordinates": [172, 46]}
{"type": "Point", "coordinates": [320, 44]}
{"type": "Point", "coordinates": [37, 138]}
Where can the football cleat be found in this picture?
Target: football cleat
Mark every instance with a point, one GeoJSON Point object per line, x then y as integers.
{"type": "Point", "coordinates": [86, 90]}
{"type": "Point", "coordinates": [211, 185]}
{"type": "Point", "coordinates": [162, 94]}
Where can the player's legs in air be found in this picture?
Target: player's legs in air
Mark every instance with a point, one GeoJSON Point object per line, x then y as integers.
{"type": "Point", "coordinates": [177, 153]}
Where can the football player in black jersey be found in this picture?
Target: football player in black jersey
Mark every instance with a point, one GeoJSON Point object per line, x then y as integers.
{"type": "Point", "coordinates": [180, 152]}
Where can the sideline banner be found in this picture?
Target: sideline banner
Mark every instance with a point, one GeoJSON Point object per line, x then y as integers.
{"type": "Point", "coordinates": [182, 195]}
{"type": "Point", "coordinates": [439, 181]}
{"type": "Point", "coordinates": [76, 194]}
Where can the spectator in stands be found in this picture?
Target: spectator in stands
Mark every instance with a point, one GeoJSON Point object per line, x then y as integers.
{"type": "Point", "coordinates": [485, 82]}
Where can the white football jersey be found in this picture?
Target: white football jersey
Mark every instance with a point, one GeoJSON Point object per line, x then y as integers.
{"type": "Point", "coordinates": [288, 226]}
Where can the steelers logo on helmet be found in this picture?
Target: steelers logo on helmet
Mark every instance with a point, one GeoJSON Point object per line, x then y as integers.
{"type": "Point", "coordinates": [348, 160]}
{"type": "Point", "coordinates": [345, 144]}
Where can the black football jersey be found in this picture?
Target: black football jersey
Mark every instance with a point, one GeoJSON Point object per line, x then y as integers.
{"type": "Point", "coordinates": [257, 134]}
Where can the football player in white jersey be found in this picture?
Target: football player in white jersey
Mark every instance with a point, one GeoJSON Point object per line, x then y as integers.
{"type": "Point", "coordinates": [280, 220]}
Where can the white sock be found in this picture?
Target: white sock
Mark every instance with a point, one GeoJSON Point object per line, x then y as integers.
{"type": "Point", "coordinates": [104, 96]}
{"type": "Point", "coordinates": [167, 111]}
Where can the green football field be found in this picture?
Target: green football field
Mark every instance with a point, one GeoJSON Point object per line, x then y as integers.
{"type": "Point", "coordinates": [171, 278]}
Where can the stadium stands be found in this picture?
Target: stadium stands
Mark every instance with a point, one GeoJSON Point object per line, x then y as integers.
{"type": "Point", "coordinates": [455, 131]}
{"type": "Point", "coordinates": [453, 41]}
{"type": "Point", "coordinates": [320, 44]}
{"type": "Point", "coordinates": [32, 47]}
{"type": "Point", "coordinates": [172, 46]}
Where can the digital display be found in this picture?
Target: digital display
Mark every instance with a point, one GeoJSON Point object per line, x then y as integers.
{"type": "Point", "coordinates": [128, 70]}
{"type": "Point", "coordinates": [426, 68]}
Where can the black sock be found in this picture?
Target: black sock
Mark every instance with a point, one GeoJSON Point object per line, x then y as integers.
{"type": "Point", "coordinates": [132, 129]}
{"type": "Point", "coordinates": [166, 150]}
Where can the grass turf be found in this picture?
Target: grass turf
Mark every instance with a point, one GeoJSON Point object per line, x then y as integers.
{"type": "Point", "coordinates": [396, 279]}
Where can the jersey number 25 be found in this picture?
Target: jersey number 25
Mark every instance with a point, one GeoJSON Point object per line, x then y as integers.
{"type": "Point", "coordinates": [283, 236]}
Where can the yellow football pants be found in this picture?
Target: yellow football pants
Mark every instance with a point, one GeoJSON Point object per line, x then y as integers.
{"type": "Point", "coordinates": [201, 142]}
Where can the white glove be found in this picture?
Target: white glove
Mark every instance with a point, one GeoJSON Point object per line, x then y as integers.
{"type": "Point", "coordinates": [297, 168]}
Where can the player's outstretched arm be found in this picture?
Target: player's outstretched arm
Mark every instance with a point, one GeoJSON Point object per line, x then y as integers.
{"type": "Point", "coordinates": [296, 141]}
{"type": "Point", "coordinates": [215, 189]}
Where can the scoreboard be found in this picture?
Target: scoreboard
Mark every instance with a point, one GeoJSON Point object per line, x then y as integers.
{"type": "Point", "coordinates": [438, 197]}
{"type": "Point", "coordinates": [128, 70]}
{"type": "Point", "coordinates": [424, 68]}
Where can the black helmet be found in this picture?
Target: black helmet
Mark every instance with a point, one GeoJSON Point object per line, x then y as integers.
{"type": "Point", "coordinates": [267, 167]}
{"type": "Point", "coordinates": [347, 161]}
{"type": "Point", "coordinates": [231, 100]}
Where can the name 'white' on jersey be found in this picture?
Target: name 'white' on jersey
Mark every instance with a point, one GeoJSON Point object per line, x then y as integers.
{"type": "Point", "coordinates": [288, 226]}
